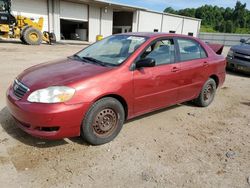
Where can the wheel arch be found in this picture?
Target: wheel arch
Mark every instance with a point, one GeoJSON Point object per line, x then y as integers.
{"type": "Point", "coordinates": [120, 99]}
{"type": "Point", "coordinates": [216, 79]}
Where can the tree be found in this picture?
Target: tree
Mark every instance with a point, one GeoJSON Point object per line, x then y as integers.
{"type": "Point", "coordinates": [170, 10]}
{"type": "Point", "coordinates": [239, 14]}
{"type": "Point", "coordinates": [228, 13]}
{"type": "Point", "coordinates": [218, 18]}
{"type": "Point", "coordinates": [188, 12]}
{"type": "Point", "coordinates": [229, 27]}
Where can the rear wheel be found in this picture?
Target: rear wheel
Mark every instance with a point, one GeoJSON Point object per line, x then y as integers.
{"type": "Point", "coordinates": [207, 94]}
{"type": "Point", "coordinates": [103, 121]}
{"type": "Point", "coordinates": [32, 36]}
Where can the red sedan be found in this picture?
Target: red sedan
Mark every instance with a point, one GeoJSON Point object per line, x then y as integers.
{"type": "Point", "coordinates": [123, 76]}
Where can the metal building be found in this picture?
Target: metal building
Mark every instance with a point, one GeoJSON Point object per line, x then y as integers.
{"type": "Point", "coordinates": [85, 19]}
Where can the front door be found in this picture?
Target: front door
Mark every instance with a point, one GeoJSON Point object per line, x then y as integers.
{"type": "Point", "coordinates": [157, 87]}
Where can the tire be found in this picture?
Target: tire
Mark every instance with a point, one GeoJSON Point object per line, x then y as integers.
{"type": "Point", "coordinates": [207, 93]}
{"type": "Point", "coordinates": [103, 121]}
{"type": "Point", "coordinates": [22, 34]}
{"type": "Point", "coordinates": [22, 40]}
{"type": "Point", "coordinates": [32, 36]}
{"type": "Point", "coordinates": [52, 37]}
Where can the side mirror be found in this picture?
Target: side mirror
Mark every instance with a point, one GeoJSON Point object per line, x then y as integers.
{"type": "Point", "coordinates": [148, 62]}
{"type": "Point", "coordinates": [243, 41]}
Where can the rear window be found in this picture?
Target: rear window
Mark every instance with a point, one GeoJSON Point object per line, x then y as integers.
{"type": "Point", "coordinates": [190, 50]}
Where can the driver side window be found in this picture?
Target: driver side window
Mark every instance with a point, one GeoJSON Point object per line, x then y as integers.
{"type": "Point", "coordinates": [163, 52]}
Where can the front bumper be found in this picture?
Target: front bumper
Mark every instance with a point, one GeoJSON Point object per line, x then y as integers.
{"type": "Point", "coordinates": [49, 121]}
{"type": "Point", "coordinates": [238, 65]}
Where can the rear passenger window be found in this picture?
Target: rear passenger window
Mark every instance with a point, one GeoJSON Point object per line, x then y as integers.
{"type": "Point", "coordinates": [190, 49]}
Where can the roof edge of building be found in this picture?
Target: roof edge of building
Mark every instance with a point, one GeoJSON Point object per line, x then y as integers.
{"type": "Point", "coordinates": [145, 9]}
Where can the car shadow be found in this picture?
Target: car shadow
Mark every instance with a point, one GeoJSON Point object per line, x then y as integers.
{"type": "Point", "coordinates": [190, 104]}
{"type": "Point", "coordinates": [246, 103]}
{"type": "Point", "coordinates": [9, 126]}
{"type": "Point", "coordinates": [237, 73]}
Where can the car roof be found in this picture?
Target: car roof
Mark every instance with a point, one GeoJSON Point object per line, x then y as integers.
{"type": "Point", "coordinates": [155, 34]}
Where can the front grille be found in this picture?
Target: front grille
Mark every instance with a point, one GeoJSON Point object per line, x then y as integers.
{"type": "Point", "coordinates": [19, 89]}
{"type": "Point", "coordinates": [242, 57]}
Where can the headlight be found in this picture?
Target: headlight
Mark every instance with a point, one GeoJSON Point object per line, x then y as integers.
{"type": "Point", "coordinates": [54, 94]}
{"type": "Point", "coordinates": [230, 53]}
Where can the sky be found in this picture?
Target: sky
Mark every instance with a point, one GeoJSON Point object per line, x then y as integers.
{"type": "Point", "coordinates": [160, 5]}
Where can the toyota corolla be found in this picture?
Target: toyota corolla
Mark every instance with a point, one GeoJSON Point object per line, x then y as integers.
{"type": "Point", "coordinates": [93, 92]}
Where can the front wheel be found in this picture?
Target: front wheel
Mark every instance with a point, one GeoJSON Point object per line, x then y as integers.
{"type": "Point", "coordinates": [103, 121]}
{"type": "Point", "coordinates": [207, 94]}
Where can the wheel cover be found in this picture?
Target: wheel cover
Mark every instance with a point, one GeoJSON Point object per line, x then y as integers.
{"type": "Point", "coordinates": [33, 36]}
{"type": "Point", "coordinates": [105, 122]}
{"type": "Point", "coordinates": [208, 93]}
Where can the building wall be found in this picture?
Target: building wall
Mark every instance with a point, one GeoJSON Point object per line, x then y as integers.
{"type": "Point", "coordinates": [32, 9]}
{"type": "Point", "coordinates": [149, 21]}
{"type": "Point", "coordinates": [50, 16]}
{"type": "Point", "coordinates": [100, 22]}
{"type": "Point", "coordinates": [190, 26]}
{"type": "Point", "coordinates": [100, 19]}
{"type": "Point", "coordinates": [146, 21]}
{"type": "Point", "coordinates": [94, 22]}
{"type": "Point", "coordinates": [106, 22]}
{"type": "Point", "coordinates": [171, 23]}
{"type": "Point", "coordinates": [73, 11]}
{"type": "Point", "coordinates": [56, 19]}
{"type": "Point", "coordinates": [135, 21]}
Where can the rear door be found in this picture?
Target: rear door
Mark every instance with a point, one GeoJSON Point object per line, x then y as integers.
{"type": "Point", "coordinates": [157, 87]}
{"type": "Point", "coordinates": [193, 61]}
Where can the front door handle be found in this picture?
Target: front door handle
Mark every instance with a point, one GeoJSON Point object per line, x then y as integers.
{"type": "Point", "coordinates": [175, 69]}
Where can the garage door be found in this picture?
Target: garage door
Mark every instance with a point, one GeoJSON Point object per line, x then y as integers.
{"type": "Point", "coordinates": [32, 9]}
{"type": "Point", "coordinates": [73, 11]}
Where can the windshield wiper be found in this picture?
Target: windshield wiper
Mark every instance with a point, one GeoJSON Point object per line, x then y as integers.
{"type": "Point", "coordinates": [90, 60]}
{"type": "Point", "coordinates": [93, 60]}
{"type": "Point", "coordinates": [75, 56]}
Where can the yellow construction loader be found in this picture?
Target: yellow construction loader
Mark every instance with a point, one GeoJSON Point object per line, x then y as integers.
{"type": "Point", "coordinates": [23, 28]}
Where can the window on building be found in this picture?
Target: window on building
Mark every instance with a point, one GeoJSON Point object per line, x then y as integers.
{"type": "Point", "coordinates": [163, 52]}
{"type": "Point", "coordinates": [190, 34]}
{"type": "Point", "coordinates": [156, 30]}
{"type": "Point", "coordinates": [171, 31]}
{"type": "Point", "coordinates": [190, 49]}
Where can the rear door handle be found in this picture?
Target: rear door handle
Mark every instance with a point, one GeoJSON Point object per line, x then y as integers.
{"type": "Point", "coordinates": [175, 69]}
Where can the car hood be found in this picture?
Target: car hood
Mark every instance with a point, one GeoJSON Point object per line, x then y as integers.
{"type": "Point", "coordinates": [244, 48]}
{"type": "Point", "coordinates": [59, 73]}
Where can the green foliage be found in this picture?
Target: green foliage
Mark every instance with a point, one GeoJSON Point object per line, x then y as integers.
{"type": "Point", "coordinates": [219, 19]}
{"type": "Point", "coordinates": [170, 10]}
{"type": "Point", "coordinates": [207, 29]}
{"type": "Point", "coordinates": [242, 31]}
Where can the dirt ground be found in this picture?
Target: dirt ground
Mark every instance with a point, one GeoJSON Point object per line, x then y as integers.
{"type": "Point", "coordinates": [181, 146]}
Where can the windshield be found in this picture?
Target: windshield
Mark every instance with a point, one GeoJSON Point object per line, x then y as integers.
{"type": "Point", "coordinates": [113, 50]}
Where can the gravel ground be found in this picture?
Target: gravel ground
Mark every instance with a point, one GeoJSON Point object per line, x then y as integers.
{"type": "Point", "coordinates": [181, 146]}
